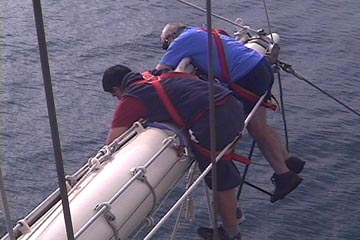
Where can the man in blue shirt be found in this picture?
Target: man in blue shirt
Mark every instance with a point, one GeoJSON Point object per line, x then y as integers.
{"type": "Point", "coordinates": [249, 75]}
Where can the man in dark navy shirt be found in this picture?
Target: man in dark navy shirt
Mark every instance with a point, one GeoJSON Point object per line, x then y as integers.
{"type": "Point", "coordinates": [183, 99]}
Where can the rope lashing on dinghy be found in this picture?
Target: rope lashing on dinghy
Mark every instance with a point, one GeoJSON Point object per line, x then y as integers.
{"type": "Point", "coordinates": [288, 68]}
{"type": "Point", "coordinates": [93, 164]}
{"type": "Point", "coordinates": [142, 178]}
{"type": "Point", "coordinates": [104, 154]}
{"type": "Point", "coordinates": [109, 217]}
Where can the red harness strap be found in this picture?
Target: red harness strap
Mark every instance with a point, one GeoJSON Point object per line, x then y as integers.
{"type": "Point", "coordinates": [156, 82]}
{"type": "Point", "coordinates": [226, 73]}
{"type": "Point", "coordinates": [167, 102]}
{"type": "Point", "coordinates": [221, 53]}
{"type": "Point", "coordinates": [251, 96]}
{"type": "Point", "coordinates": [228, 156]}
{"type": "Point", "coordinates": [222, 57]}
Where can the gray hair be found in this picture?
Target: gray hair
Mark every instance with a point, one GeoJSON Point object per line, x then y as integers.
{"type": "Point", "coordinates": [170, 32]}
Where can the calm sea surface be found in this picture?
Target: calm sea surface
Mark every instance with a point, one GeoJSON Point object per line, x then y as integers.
{"type": "Point", "coordinates": [320, 39]}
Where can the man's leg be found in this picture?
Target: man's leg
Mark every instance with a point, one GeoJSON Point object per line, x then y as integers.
{"type": "Point", "coordinates": [271, 146]}
{"type": "Point", "coordinates": [268, 141]}
{"type": "Point", "coordinates": [228, 203]}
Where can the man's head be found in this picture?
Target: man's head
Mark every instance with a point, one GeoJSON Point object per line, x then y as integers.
{"type": "Point", "coordinates": [112, 79]}
{"type": "Point", "coordinates": [170, 32]}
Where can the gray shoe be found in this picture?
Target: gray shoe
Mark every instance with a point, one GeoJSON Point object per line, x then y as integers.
{"type": "Point", "coordinates": [284, 184]}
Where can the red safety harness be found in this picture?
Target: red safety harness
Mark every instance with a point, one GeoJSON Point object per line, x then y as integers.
{"type": "Point", "coordinates": [155, 81]}
{"type": "Point", "coordinates": [250, 96]}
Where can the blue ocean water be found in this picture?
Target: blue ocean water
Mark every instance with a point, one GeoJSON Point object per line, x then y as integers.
{"type": "Point", "coordinates": [319, 39]}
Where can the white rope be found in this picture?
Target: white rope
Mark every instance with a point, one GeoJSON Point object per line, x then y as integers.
{"type": "Point", "coordinates": [4, 205]}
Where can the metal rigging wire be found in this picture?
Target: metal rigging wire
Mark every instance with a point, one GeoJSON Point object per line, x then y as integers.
{"type": "Point", "coordinates": [287, 68]}
{"type": "Point", "coordinates": [211, 81]}
{"type": "Point", "coordinates": [52, 116]}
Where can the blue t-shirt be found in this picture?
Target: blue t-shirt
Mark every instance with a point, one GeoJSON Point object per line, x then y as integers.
{"type": "Point", "coordinates": [193, 43]}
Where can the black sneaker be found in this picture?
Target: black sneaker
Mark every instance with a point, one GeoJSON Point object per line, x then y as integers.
{"type": "Point", "coordinates": [284, 184]}
{"type": "Point", "coordinates": [208, 234]}
{"type": "Point", "coordinates": [295, 164]}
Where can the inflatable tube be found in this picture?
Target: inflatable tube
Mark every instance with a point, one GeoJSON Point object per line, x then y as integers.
{"type": "Point", "coordinates": [142, 171]}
